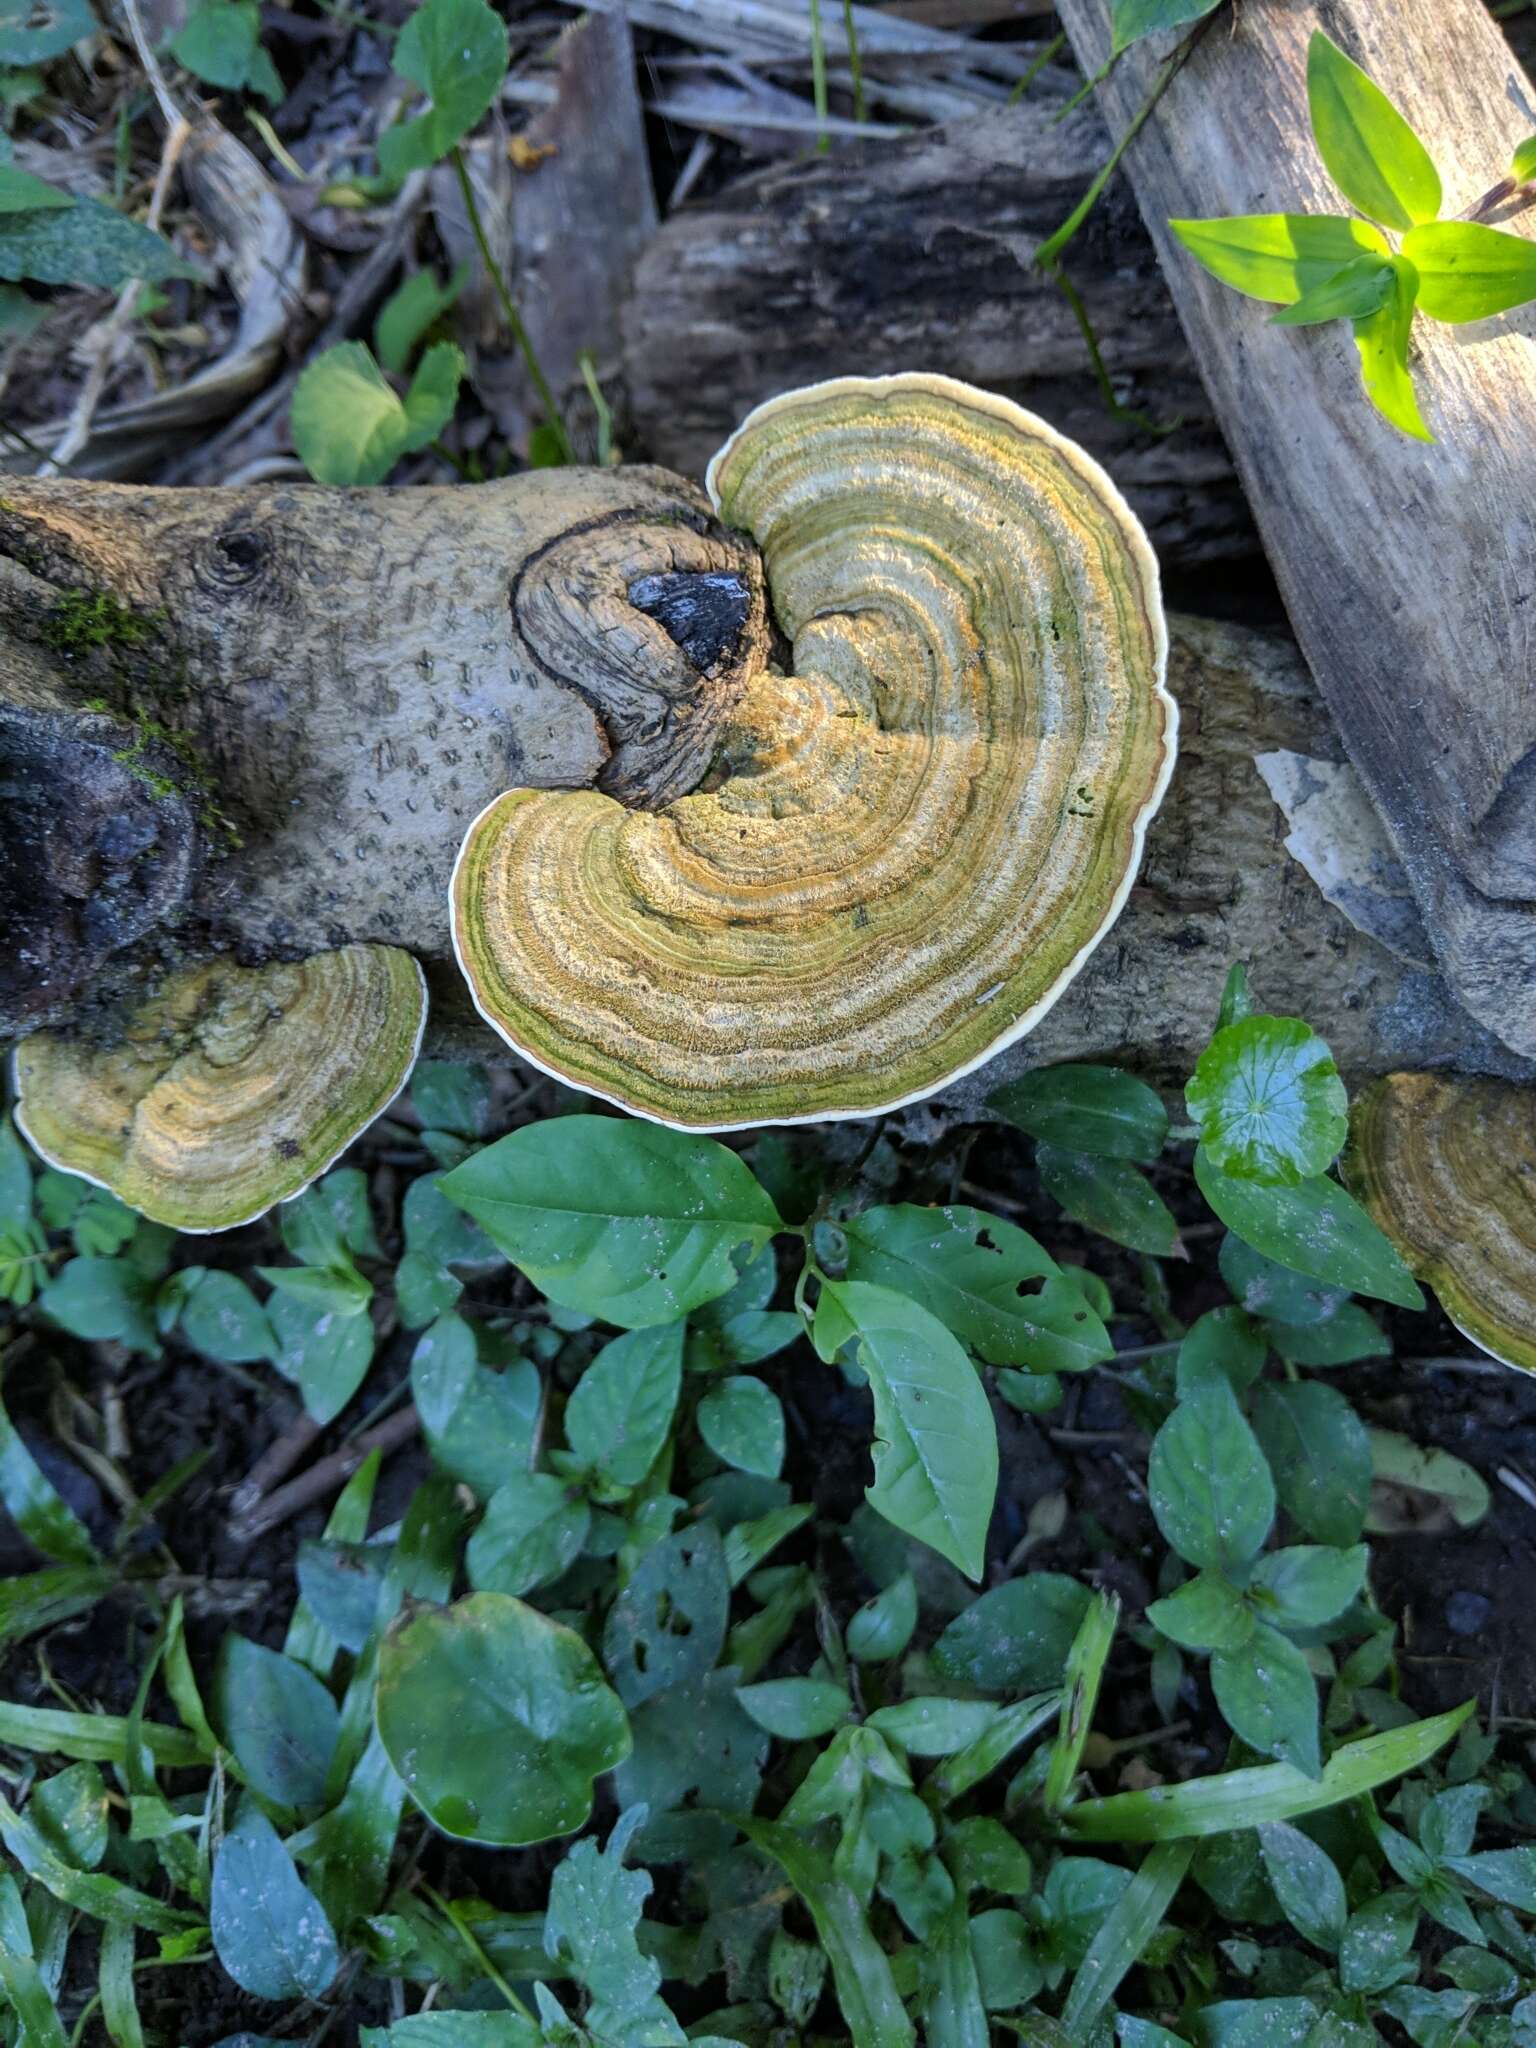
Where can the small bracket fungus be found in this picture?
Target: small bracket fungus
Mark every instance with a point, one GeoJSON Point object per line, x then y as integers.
{"type": "Point", "coordinates": [1446, 1164]}
{"type": "Point", "coordinates": [905, 849]}
{"type": "Point", "coordinates": [233, 1087]}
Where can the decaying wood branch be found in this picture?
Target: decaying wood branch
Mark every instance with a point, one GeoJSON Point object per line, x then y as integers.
{"type": "Point", "coordinates": [917, 255]}
{"type": "Point", "coordinates": [308, 694]}
{"type": "Point", "coordinates": [1405, 567]}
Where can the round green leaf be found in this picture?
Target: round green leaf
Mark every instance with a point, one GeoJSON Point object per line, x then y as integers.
{"type": "Point", "coordinates": [1268, 1100]}
{"type": "Point", "coordinates": [795, 1708]}
{"type": "Point", "coordinates": [743, 1424]}
{"type": "Point", "coordinates": [497, 1719]}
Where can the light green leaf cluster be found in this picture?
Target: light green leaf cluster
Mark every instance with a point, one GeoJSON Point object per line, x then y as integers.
{"type": "Point", "coordinates": [350, 425]}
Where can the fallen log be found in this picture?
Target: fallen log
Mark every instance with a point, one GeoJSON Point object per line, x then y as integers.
{"type": "Point", "coordinates": [917, 255]}
{"type": "Point", "coordinates": [308, 694]}
{"type": "Point", "coordinates": [1403, 566]}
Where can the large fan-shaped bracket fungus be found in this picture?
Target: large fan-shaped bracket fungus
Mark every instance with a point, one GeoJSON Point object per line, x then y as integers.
{"type": "Point", "coordinates": [912, 833]}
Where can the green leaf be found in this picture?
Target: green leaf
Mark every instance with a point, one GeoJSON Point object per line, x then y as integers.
{"type": "Point", "coordinates": [223, 1319]}
{"type": "Point", "coordinates": [667, 1626]}
{"type": "Point", "coordinates": [1210, 1488]}
{"type": "Point", "coordinates": [743, 1424]}
{"type": "Point", "coordinates": [479, 1424]}
{"type": "Point", "coordinates": [867, 1997]}
{"type": "Point", "coordinates": [621, 1408]}
{"type": "Point", "coordinates": [625, 1220]}
{"type": "Point", "coordinates": [595, 1906]}
{"type": "Point", "coordinates": [20, 192]}
{"type": "Point", "coordinates": [33, 31]}
{"type": "Point", "coordinates": [1015, 1724]}
{"type": "Point", "coordinates": [406, 315]}
{"type": "Point", "coordinates": [1377, 1946]}
{"type": "Point", "coordinates": [21, 1981]}
{"type": "Point", "coordinates": [796, 1708]}
{"type": "Point", "coordinates": [1508, 1875]}
{"type": "Point", "coordinates": [1208, 1613]}
{"type": "Point", "coordinates": [1246, 1798]}
{"type": "Point", "coordinates": [882, 1627]}
{"type": "Point", "coordinates": [1309, 1583]}
{"type": "Point", "coordinates": [1347, 1336]}
{"type": "Point", "coordinates": [532, 1722]}
{"type": "Point", "coordinates": [1110, 1196]}
{"type": "Point", "coordinates": [347, 421]}
{"type": "Point", "coordinates": [49, 1524]}
{"type": "Point", "coordinates": [221, 44]}
{"type": "Point", "coordinates": [455, 50]}
{"type": "Point", "coordinates": [1382, 341]}
{"type": "Point", "coordinates": [1268, 1102]}
{"type": "Point", "coordinates": [1268, 1696]}
{"type": "Point", "coordinates": [97, 1738]}
{"type": "Point", "coordinates": [1081, 1680]}
{"type": "Point", "coordinates": [1306, 1882]}
{"type": "Point", "coordinates": [1223, 1340]}
{"type": "Point", "coordinates": [102, 1300]}
{"type": "Point", "coordinates": [269, 1931]}
{"type": "Point", "coordinates": [1314, 1228]}
{"type": "Point", "coordinates": [1123, 1934]}
{"type": "Point", "coordinates": [331, 1221]}
{"type": "Point", "coordinates": [324, 1352]}
{"type": "Point", "coordinates": [340, 1291]}
{"type": "Point", "coordinates": [1084, 1108]}
{"type": "Point", "coordinates": [976, 1273]}
{"type": "Point", "coordinates": [930, 1725]}
{"type": "Point", "coordinates": [533, 1530]}
{"type": "Point", "coordinates": [1016, 1637]}
{"type": "Point", "coordinates": [91, 1892]}
{"type": "Point", "coordinates": [1425, 1469]}
{"type": "Point", "coordinates": [88, 243]}
{"type": "Point", "coordinates": [278, 1719]}
{"type": "Point", "coordinates": [1273, 1291]}
{"type": "Point", "coordinates": [1468, 271]}
{"type": "Point", "coordinates": [952, 2012]}
{"type": "Point", "coordinates": [984, 1856]}
{"type": "Point", "coordinates": [432, 394]}
{"type": "Point", "coordinates": [1133, 19]}
{"type": "Point", "coordinates": [1319, 1454]}
{"type": "Point", "coordinates": [1369, 150]}
{"type": "Point", "coordinates": [448, 1095]}
{"type": "Point", "coordinates": [1277, 256]}
{"type": "Point", "coordinates": [1350, 294]}
{"type": "Point", "coordinates": [935, 1449]}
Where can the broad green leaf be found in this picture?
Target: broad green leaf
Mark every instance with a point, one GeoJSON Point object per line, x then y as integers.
{"type": "Point", "coordinates": [935, 1449]}
{"type": "Point", "coordinates": [221, 44]}
{"type": "Point", "coordinates": [930, 1725]}
{"type": "Point", "coordinates": [1210, 1488]}
{"type": "Point", "coordinates": [1085, 1108]}
{"type": "Point", "coordinates": [332, 1221]}
{"type": "Point", "coordinates": [1308, 1583]}
{"type": "Point", "coordinates": [1350, 294]}
{"type": "Point", "coordinates": [1268, 1102]}
{"type": "Point", "coordinates": [1274, 1291]}
{"type": "Point", "coordinates": [533, 1530]}
{"type": "Point", "coordinates": [625, 1220]}
{"type": "Point", "coordinates": [346, 418]}
{"type": "Point", "coordinates": [278, 1719]}
{"type": "Point", "coordinates": [1348, 1335]}
{"type": "Point", "coordinates": [340, 1585]}
{"type": "Point", "coordinates": [479, 1423]}
{"type": "Point", "coordinates": [1508, 1875]}
{"type": "Point", "coordinates": [269, 1931]}
{"type": "Point", "coordinates": [796, 1708]}
{"type": "Point", "coordinates": [70, 1810]}
{"type": "Point", "coordinates": [1319, 1454]}
{"type": "Point", "coordinates": [1369, 150]}
{"type": "Point", "coordinates": [49, 1524]}
{"type": "Point", "coordinates": [1468, 271]}
{"type": "Point", "coordinates": [1132, 19]}
{"type": "Point", "coordinates": [223, 1319]}
{"type": "Point", "coordinates": [1123, 1934]}
{"type": "Point", "coordinates": [667, 1626]}
{"type": "Point", "coordinates": [867, 1997]}
{"type": "Point", "coordinates": [1425, 1469]}
{"type": "Point", "coordinates": [1016, 1637]}
{"type": "Point", "coordinates": [324, 1352]}
{"type": "Point", "coordinates": [532, 1722]}
{"type": "Point", "coordinates": [1313, 1228]}
{"type": "Point", "coordinates": [743, 1424]}
{"type": "Point", "coordinates": [32, 31]}
{"type": "Point", "coordinates": [1382, 341]}
{"type": "Point", "coordinates": [1110, 1196]}
{"type": "Point", "coordinates": [406, 315]}
{"type": "Point", "coordinates": [340, 1291]}
{"type": "Point", "coordinates": [448, 1095]}
{"type": "Point", "coordinates": [1306, 1882]}
{"type": "Point", "coordinates": [621, 1408]}
{"type": "Point", "coordinates": [984, 1856]}
{"type": "Point", "coordinates": [1223, 1340]}
{"type": "Point", "coordinates": [1278, 256]}
{"type": "Point", "coordinates": [20, 192]}
{"type": "Point", "coordinates": [88, 243]}
{"type": "Point", "coordinates": [21, 1981]}
{"type": "Point", "coordinates": [1268, 1696]}
{"type": "Point", "coordinates": [694, 1747]}
{"type": "Point", "coordinates": [977, 1274]}
{"type": "Point", "coordinates": [882, 1627]}
{"type": "Point", "coordinates": [102, 1300]}
{"type": "Point", "coordinates": [595, 1906]}
{"type": "Point", "coordinates": [456, 51]}
{"type": "Point", "coordinates": [1208, 1613]}
{"type": "Point", "coordinates": [952, 2010]}
{"type": "Point", "coordinates": [1006, 1966]}
{"type": "Point", "coordinates": [1376, 1949]}
{"type": "Point", "coordinates": [1247, 1798]}
{"type": "Point", "coordinates": [432, 394]}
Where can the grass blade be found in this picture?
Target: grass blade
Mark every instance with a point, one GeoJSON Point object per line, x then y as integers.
{"type": "Point", "coordinates": [1130, 1925]}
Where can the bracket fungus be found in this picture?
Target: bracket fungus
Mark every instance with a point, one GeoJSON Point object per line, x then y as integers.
{"type": "Point", "coordinates": [909, 843]}
{"type": "Point", "coordinates": [233, 1087]}
{"type": "Point", "coordinates": [1446, 1164]}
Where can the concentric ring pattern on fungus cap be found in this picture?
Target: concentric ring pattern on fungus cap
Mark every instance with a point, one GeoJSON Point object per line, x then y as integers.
{"type": "Point", "coordinates": [911, 843]}
{"type": "Point", "coordinates": [233, 1088]}
{"type": "Point", "coordinates": [1446, 1164]}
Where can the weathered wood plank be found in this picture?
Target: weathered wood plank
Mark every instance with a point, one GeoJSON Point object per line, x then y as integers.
{"type": "Point", "coordinates": [1407, 569]}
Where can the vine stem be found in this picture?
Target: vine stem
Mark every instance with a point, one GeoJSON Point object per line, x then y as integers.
{"type": "Point", "coordinates": [513, 318]}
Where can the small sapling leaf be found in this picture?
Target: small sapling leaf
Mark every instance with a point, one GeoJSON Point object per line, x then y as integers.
{"type": "Point", "coordinates": [1371, 153]}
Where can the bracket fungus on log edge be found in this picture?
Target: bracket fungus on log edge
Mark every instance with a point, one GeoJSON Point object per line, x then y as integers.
{"type": "Point", "coordinates": [1446, 1164]}
{"type": "Point", "coordinates": [233, 1087]}
{"type": "Point", "coordinates": [905, 848]}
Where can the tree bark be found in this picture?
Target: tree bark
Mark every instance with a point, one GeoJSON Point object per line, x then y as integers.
{"type": "Point", "coordinates": [1404, 567]}
{"type": "Point", "coordinates": [918, 255]}
{"type": "Point", "coordinates": [306, 695]}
